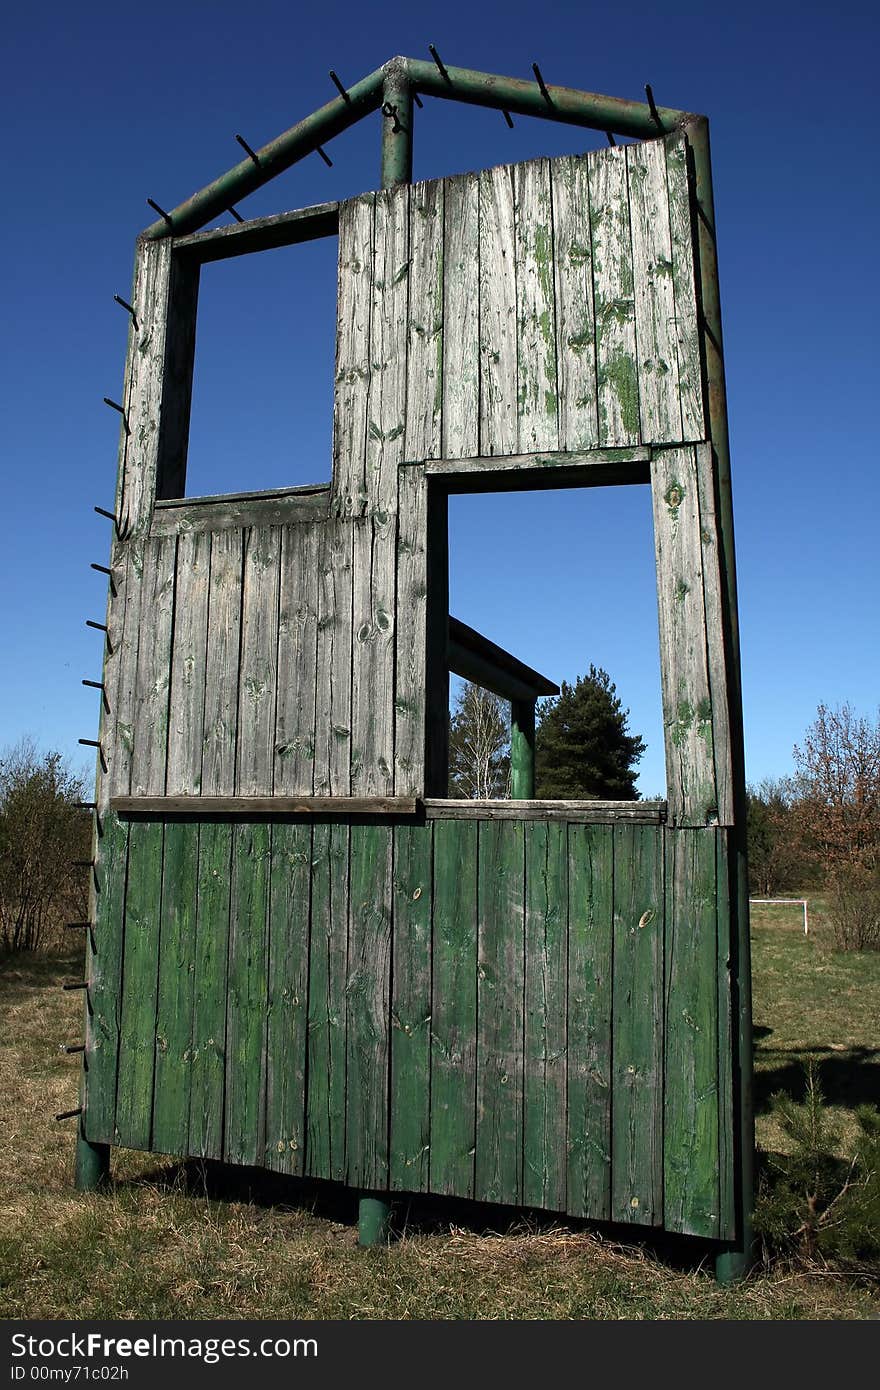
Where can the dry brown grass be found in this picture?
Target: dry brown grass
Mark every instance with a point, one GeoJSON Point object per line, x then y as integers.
{"type": "Point", "coordinates": [165, 1244]}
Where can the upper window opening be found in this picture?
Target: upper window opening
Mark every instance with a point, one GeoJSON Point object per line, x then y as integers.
{"type": "Point", "coordinates": [262, 401]}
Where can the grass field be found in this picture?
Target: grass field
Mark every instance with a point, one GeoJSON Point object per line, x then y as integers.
{"type": "Point", "coordinates": [172, 1241]}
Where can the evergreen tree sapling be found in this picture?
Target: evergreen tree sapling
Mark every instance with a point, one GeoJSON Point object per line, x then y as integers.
{"type": "Point", "coordinates": [583, 747]}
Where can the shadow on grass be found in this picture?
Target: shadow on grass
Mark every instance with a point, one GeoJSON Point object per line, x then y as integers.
{"type": "Point", "coordinates": [413, 1214]}
{"type": "Point", "coordinates": [849, 1079]}
{"type": "Point", "coordinates": [24, 971]}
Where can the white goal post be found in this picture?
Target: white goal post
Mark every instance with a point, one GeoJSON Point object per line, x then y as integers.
{"type": "Point", "coordinates": [800, 902]}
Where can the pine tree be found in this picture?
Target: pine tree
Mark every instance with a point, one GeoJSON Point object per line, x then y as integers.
{"type": "Point", "coordinates": [583, 747]}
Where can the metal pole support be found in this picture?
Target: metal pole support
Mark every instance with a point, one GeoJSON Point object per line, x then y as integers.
{"type": "Point", "coordinates": [522, 749]}
{"type": "Point", "coordinates": [92, 1165]}
{"type": "Point", "coordinates": [397, 126]}
{"type": "Point", "coordinates": [374, 1221]}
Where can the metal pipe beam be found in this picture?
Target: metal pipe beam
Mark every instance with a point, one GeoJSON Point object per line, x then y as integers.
{"type": "Point", "coordinates": [571, 107]}
{"type": "Point", "coordinates": [397, 126]}
{"type": "Point", "coordinates": [280, 154]}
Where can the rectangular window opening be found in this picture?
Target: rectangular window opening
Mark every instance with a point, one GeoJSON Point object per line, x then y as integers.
{"type": "Point", "coordinates": [563, 582]}
{"type": "Point", "coordinates": [261, 417]}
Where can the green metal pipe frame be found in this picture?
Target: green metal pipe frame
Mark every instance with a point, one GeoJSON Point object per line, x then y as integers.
{"type": "Point", "coordinates": [91, 1165]}
{"type": "Point", "coordinates": [409, 75]}
{"type": "Point", "coordinates": [522, 750]}
{"type": "Point", "coordinates": [374, 1221]}
{"type": "Point", "coordinates": [395, 84]}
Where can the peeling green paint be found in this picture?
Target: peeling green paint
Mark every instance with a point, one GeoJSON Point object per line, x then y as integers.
{"type": "Point", "coordinates": [673, 497]}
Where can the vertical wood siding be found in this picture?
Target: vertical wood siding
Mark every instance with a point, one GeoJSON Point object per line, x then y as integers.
{"type": "Point", "coordinates": [526, 1013]}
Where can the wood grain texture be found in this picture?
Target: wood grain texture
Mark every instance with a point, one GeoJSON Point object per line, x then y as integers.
{"type": "Point", "coordinates": [575, 317]}
{"type": "Point", "coordinates": [124, 624]}
{"type": "Point", "coordinates": [367, 998]}
{"type": "Point", "coordinates": [328, 971]}
{"type": "Point", "coordinates": [690, 1126]}
{"type": "Point", "coordinates": [105, 983]}
{"type": "Point", "coordinates": [727, 1177]}
{"type": "Point", "coordinates": [656, 338]}
{"type": "Point", "coordinates": [237, 510]}
{"type": "Point", "coordinates": [222, 663]}
{"type": "Point", "coordinates": [637, 1028]}
{"type": "Point", "coordinates": [207, 1073]}
{"type": "Point", "coordinates": [424, 377]}
{"type": "Point", "coordinates": [354, 303]}
{"type": "Point", "coordinates": [545, 1043]}
{"type": "Point", "coordinates": [410, 695]}
{"type": "Point", "coordinates": [499, 1155]}
{"type": "Point", "coordinates": [461, 332]}
{"type": "Point", "coordinates": [498, 320]}
{"type": "Point", "coordinates": [137, 1021]}
{"type": "Point", "coordinates": [684, 285]}
{"type": "Point", "coordinates": [590, 952]}
{"type": "Point", "coordinates": [537, 382]}
{"type": "Point", "coordinates": [688, 714]}
{"type": "Point", "coordinates": [258, 672]}
{"type": "Point", "coordinates": [454, 1009]}
{"type": "Point", "coordinates": [176, 987]}
{"type": "Point", "coordinates": [287, 998]}
{"type": "Point", "coordinates": [295, 713]}
{"type": "Point", "coordinates": [244, 1126]}
{"type": "Point", "coordinates": [617, 378]}
{"type": "Point", "coordinates": [716, 638]}
{"type": "Point", "coordinates": [151, 708]}
{"type": "Point", "coordinates": [410, 1109]}
{"type": "Point", "coordinates": [334, 649]}
{"type": "Point", "coordinates": [189, 648]}
{"type": "Point", "coordinates": [142, 398]}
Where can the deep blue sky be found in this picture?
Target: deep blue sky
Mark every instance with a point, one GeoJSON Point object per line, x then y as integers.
{"type": "Point", "coordinates": [108, 104]}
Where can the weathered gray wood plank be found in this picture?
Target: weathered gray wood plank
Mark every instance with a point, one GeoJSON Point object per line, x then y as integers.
{"type": "Point", "coordinates": [424, 378]}
{"type": "Point", "coordinates": [575, 319]}
{"type": "Point", "coordinates": [222, 664]}
{"type": "Point", "coordinates": [150, 754]}
{"type": "Point", "coordinates": [687, 332]}
{"type": "Point", "coordinates": [188, 666]}
{"type": "Point", "coordinates": [260, 233]}
{"type": "Point", "coordinates": [537, 382]}
{"type": "Point", "coordinates": [461, 336]}
{"type": "Point", "coordinates": [659, 401]}
{"type": "Point", "coordinates": [124, 623]}
{"type": "Point", "coordinates": [498, 328]}
{"type": "Point", "coordinates": [710, 543]}
{"type": "Point", "coordinates": [142, 399]}
{"type": "Point", "coordinates": [258, 674]}
{"type": "Point", "coordinates": [616, 370]}
{"type": "Point", "coordinates": [334, 648]}
{"type": "Point", "coordinates": [687, 699]}
{"type": "Point", "coordinates": [295, 717]}
{"type": "Point", "coordinates": [411, 646]}
{"type": "Point", "coordinates": [289, 506]}
{"type": "Point", "coordinates": [352, 355]}
{"type": "Point", "coordinates": [204, 806]}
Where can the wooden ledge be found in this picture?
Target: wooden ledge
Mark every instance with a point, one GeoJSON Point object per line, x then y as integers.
{"type": "Point", "coordinates": [201, 807]}
{"type": "Point", "coordinates": [586, 812]}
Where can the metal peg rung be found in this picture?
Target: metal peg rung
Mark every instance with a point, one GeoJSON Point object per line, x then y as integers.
{"type": "Point", "coordinates": [509, 119]}
{"type": "Point", "coordinates": [233, 212]}
{"type": "Point", "coordinates": [78, 984]}
{"type": "Point", "coordinates": [325, 156]}
{"type": "Point", "coordinates": [69, 1114]}
{"type": "Point", "coordinates": [439, 61]}
{"type": "Point", "coordinates": [339, 87]}
{"type": "Point", "coordinates": [124, 304]}
{"type": "Point", "coordinates": [655, 114]}
{"type": "Point", "coordinates": [542, 84]}
{"type": "Point", "coordinates": [166, 216]}
{"type": "Point", "coordinates": [252, 154]}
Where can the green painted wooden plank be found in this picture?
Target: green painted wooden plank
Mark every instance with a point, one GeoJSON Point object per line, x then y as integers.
{"type": "Point", "coordinates": [244, 1121]}
{"type": "Point", "coordinates": [637, 1024]}
{"type": "Point", "coordinates": [499, 1155]}
{"type": "Point", "coordinates": [137, 1027]}
{"type": "Point", "coordinates": [208, 1070]}
{"type": "Point", "coordinates": [286, 1039]}
{"type": "Point", "coordinates": [590, 919]}
{"type": "Point", "coordinates": [454, 1008]}
{"type": "Point", "coordinates": [328, 965]}
{"type": "Point", "coordinates": [546, 937]}
{"type": "Point", "coordinates": [105, 983]}
{"type": "Point", "coordinates": [174, 1008]}
{"type": "Point", "coordinates": [411, 1009]}
{"type": "Point", "coordinates": [727, 1227]}
{"type": "Point", "coordinates": [367, 993]}
{"type": "Point", "coordinates": [690, 1123]}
